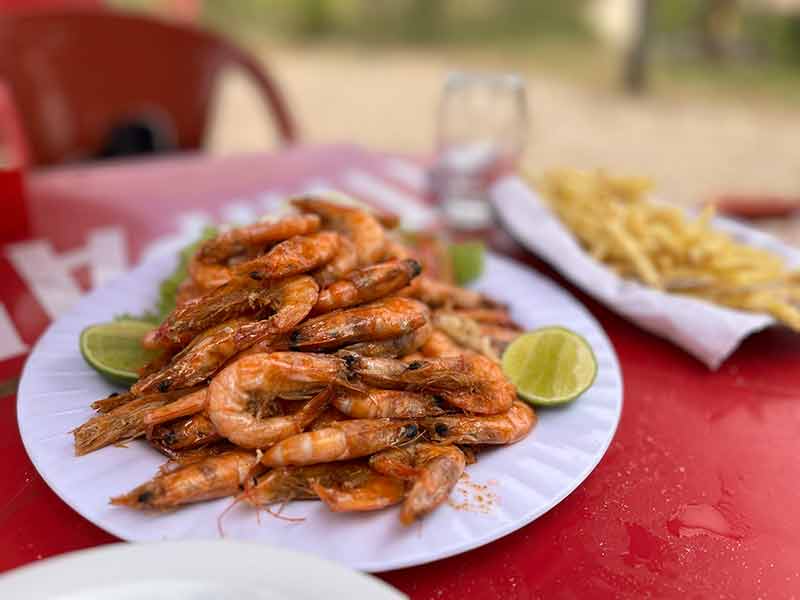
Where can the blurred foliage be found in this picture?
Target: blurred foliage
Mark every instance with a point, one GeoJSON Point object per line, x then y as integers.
{"type": "Point", "coordinates": [676, 16]}
{"type": "Point", "coordinates": [775, 37]}
{"type": "Point", "coordinates": [399, 21]}
{"type": "Point", "coordinates": [745, 49]}
{"type": "Point", "coordinates": [755, 35]}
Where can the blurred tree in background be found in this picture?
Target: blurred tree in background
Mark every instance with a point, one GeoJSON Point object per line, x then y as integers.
{"type": "Point", "coordinates": [403, 21]}
{"type": "Point", "coordinates": [714, 40]}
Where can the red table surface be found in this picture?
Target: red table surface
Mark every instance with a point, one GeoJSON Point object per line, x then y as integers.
{"type": "Point", "coordinates": [695, 498]}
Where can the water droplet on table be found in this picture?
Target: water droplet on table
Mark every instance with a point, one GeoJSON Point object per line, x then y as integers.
{"type": "Point", "coordinates": [699, 519]}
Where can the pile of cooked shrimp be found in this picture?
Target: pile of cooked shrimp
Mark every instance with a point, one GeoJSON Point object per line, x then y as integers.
{"type": "Point", "coordinates": [317, 357]}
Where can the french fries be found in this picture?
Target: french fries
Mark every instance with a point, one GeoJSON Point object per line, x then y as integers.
{"type": "Point", "coordinates": [662, 247]}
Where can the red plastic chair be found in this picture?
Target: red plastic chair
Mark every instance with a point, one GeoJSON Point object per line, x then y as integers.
{"type": "Point", "coordinates": [76, 75]}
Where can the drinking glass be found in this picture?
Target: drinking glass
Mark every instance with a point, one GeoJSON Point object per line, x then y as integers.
{"type": "Point", "coordinates": [481, 131]}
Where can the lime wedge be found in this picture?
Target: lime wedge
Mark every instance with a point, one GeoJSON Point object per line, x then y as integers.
{"type": "Point", "coordinates": [467, 259]}
{"type": "Point", "coordinates": [550, 366]}
{"type": "Point", "coordinates": [115, 349]}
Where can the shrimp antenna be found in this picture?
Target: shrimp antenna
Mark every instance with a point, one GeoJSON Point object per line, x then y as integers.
{"type": "Point", "coordinates": [225, 512]}
{"type": "Point", "coordinates": [412, 440]}
{"type": "Point", "coordinates": [278, 514]}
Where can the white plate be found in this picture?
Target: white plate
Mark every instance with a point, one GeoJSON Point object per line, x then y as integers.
{"type": "Point", "coordinates": [524, 480]}
{"type": "Point", "coordinates": [219, 570]}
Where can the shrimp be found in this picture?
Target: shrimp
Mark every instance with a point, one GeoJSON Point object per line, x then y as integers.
{"type": "Point", "coordinates": [178, 458]}
{"type": "Point", "coordinates": [379, 320]}
{"type": "Point", "coordinates": [294, 483]}
{"type": "Point", "coordinates": [395, 250]}
{"type": "Point", "coordinates": [465, 332]}
{"type": "Point", "coordinates": [198, 361]}
{"type": "Point", "coordinates": [160, 361]}
{"type": "Point", "coordinates": [204, 276]}
{"type": "Point", "coordinates": [213, 477]}
{"type": "Point", "coordinates": [400, 462]}
{"type": "Point", "coordinates": [122, 423]}
{"type": "Point", "coordinates": [237, 394]}
{"type": "Point", "coordinates": [396, 462]}
{"type": "Point", "coordinates": [499, 333]}
{"type": "Point", "coordinates": [344, 261]}
{"type": "Point", "coordinates": [366, 232]}
{"type": "Point", "coordinates": [373, 493]}
{"type": "Point", "coordinates": [150, 340]}
{"type": "Point", "coordinates": [389, 220]}
{"type": "Point", "coordinates": [112, 401]}
{"type": "Point", "coordinates": [237, 298]}
{"type": "Point", "coordinates": [188, 290]}
{"type": "Point", "coordinates": [440, 344]}
{"type": "Point", "coordinates": [296, 255]}
{"type": "Point", "coordinates": [292, 299]}
{"type": "Point", "coordinates": [238, 240]}
{"type": "Point", "coordinates": [499, 337]}
{"type": "Point", "coordinates": [488, 316]}
{"type": "Point", "coordinates": [190, 432]}
{"type": "Point", "coordinates": [437, 294]}
{"type": "Point", "coordinates": [372, 404]}
{"type": "Point", "coordinates": [329, 415]}
{"type": "Point", "coordinates": [256, 432]}
{"type": "Point", "coordinates": [471, 382]}
{"type": "Point", "coordinates": [190, 404]}
{"type": "Point", "coordinates": [341, 441]}
{"type": "Point", "coordinates": [505, 428]}
{"type": "Point", "coordinates": [414, 356]}
{"type": "Point", "coordinates": [369, 283]}
{"type": "Point", "coordinates": [439, 468]}
{"type": "Point", "coordinates": [394, 347]}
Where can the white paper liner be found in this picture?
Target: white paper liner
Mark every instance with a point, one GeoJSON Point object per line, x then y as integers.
{"type": "Point", "coordinates": [707, 331]}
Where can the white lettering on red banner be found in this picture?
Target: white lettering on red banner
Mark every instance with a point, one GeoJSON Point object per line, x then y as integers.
{"type": "Point", "coordinates": [10, 343]}
{"type": "Point", "coordinates": [49, 275]}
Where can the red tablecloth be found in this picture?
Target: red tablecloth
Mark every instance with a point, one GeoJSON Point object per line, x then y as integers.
{"type": "Point", "coordinates": [694, 499]}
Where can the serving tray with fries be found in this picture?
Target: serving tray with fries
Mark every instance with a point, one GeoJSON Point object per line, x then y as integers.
{"type": "Point", "coordinates": [703, 282]}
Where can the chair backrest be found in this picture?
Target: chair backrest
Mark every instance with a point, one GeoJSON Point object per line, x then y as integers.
{"type": "Point", "coordinates": [75, 76]}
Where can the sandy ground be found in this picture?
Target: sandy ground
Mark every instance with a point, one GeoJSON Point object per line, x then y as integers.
{"type": "Point", "coordinates": [693, 147]}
